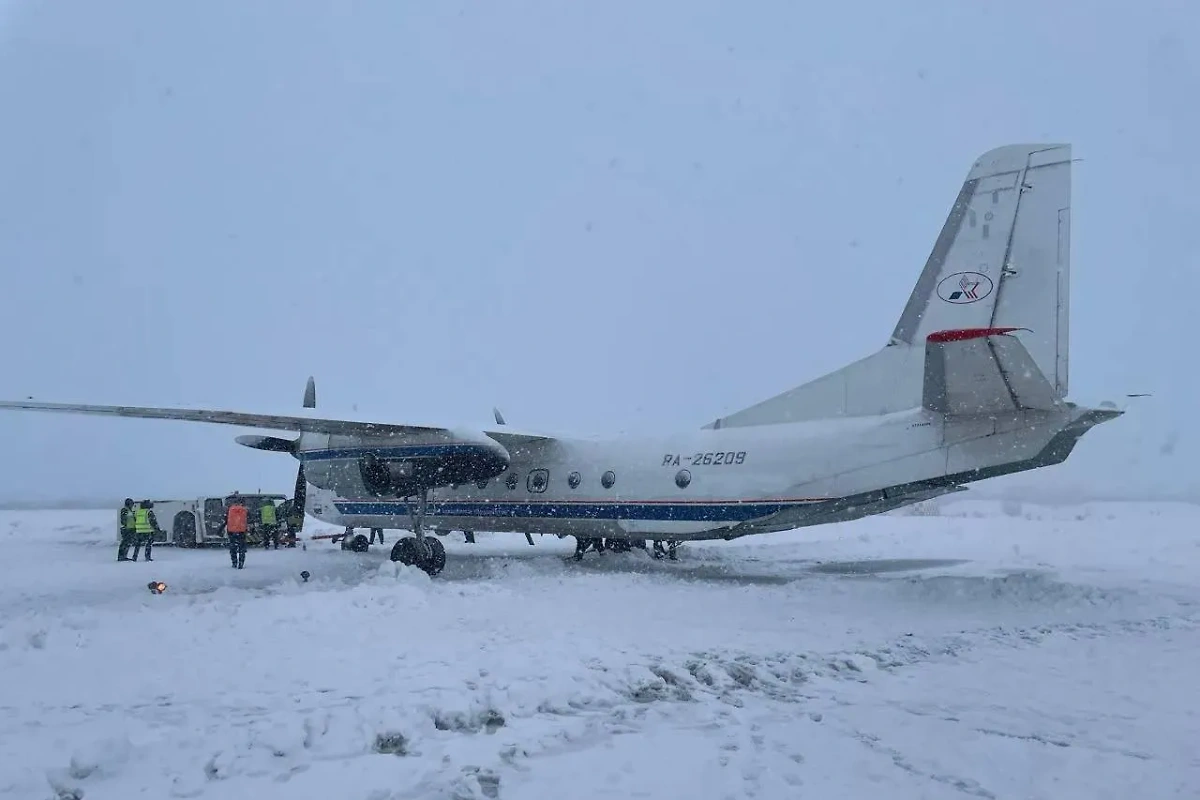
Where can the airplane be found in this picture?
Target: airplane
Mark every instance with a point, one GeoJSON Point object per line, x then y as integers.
{"type": "Point", "coordinates": [971, 385]}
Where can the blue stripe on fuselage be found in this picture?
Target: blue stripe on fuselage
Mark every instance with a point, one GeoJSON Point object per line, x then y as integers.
{"type": "Point", "coordinates": [682, 512]}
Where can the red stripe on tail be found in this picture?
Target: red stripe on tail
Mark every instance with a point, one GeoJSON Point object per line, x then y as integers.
{"type": "Point", "coordinates": [962, 334]}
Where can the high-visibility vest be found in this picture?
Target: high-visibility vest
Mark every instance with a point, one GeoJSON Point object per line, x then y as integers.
{"type": "Point", "coordinates": [127, 523]}
{"type": "Point", "coordinates": [235, 519]}
{"type": "Point", "coordinates": [267, 513]}
{"type": "Point", "coordinates": [141, 521]}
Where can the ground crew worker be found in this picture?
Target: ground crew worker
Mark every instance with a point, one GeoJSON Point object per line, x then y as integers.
{"type": "Point", "coordinates": [269, 525]}
{"type": "Point", "coordinates": [145, 526]}
{"type": "Point", "coordinates": [128, 534]}
{"type": "Point", "coordinates": [293, 517]}
{"type": "Point", "coordinates": [283, 511]}
{"type": "Point", "coordinates": [235, 530]}
{"type": "Point", "coordinates": [295, 522]}
{"type": "Point", "coordinates": [376, 531]}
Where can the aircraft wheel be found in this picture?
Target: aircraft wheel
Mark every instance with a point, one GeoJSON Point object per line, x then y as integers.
{"type": "Point", "coordinates": [437, 557]}
{"type": "Point", "coordinates": [360, 544]}
{"type": "Point", "coordinates": [430, 559]}
{"type": "Point", "coordinates": [406, 552]}
{"type": "Point", "coordinates": [618, 545]}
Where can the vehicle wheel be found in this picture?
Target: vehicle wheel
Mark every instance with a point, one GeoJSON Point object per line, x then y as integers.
{"type": "Point", "coordinates": [618, 545]}
{"type": "Point", "coordinates": [360, 544]}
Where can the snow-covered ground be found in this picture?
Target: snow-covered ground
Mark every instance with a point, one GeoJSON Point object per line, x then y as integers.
{"type": "Point", "coordinates": [988, 652]}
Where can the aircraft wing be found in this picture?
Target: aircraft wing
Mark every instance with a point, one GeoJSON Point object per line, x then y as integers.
{"type": "Point", "coordinates": [340, 427]}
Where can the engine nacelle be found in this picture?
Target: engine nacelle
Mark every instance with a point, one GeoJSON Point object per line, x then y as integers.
{"type": "Point", "coordinates": [386, 474]}
{"type": "Point", "coordinates": [401, 466]}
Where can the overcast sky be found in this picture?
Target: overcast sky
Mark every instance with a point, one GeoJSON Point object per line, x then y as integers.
{"type": "Point", "coordinates": [598, 216]}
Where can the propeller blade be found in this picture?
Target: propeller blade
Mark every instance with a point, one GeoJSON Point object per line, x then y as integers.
{"type": "Point", "coordinates": [300, 495]}
{"type": "Point", "coordinates": [310, 393]}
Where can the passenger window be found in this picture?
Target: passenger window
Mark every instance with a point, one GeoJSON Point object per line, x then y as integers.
{"type": "Point", "coordinates": [538, 480]}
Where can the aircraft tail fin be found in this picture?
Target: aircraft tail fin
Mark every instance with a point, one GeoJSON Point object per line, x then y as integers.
{"type": "Point", "coordinates": [1001, 260]}
{"type": "Point", "coordinates": [982, 371]}
{"type": "Point", "coordinates": [1003, 257]}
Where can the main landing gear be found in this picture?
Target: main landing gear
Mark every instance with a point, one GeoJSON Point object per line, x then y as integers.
{"type": "Point", "coordinates": [426, 553]}
{"type": "Point", "coordinates": [669, 552]}
{"type": "Point", "coordinates": [583, 544]}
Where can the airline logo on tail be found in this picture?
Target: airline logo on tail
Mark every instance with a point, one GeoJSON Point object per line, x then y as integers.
{"type": "Point", "coordinates": [965, 287]}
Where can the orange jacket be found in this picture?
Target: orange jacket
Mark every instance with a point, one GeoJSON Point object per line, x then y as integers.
{"type": "Point", "coordinates": [235, 519]}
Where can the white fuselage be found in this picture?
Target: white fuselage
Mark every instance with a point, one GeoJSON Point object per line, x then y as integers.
{"type": "Point", "coordinates": [735, 481]}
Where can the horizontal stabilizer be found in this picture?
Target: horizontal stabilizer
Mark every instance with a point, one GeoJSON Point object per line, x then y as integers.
{"type": "Point", "coordinates": [974, 371]}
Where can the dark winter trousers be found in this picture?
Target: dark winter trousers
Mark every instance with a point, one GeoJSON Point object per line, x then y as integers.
{"type": "Point", "coordinates": [237, 549]}
{"type": "Point", "coordinates": [146, 539]}
{"type": "Point", "coordinates": [127, 540]}
{"type": "Point", "coordinates": [270, 533]}
{"type": "Point", "coordinates": [375, 531]}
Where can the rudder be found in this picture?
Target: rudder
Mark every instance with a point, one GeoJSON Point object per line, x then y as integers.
{"type": "Point", "coordinates": [983, 372]}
